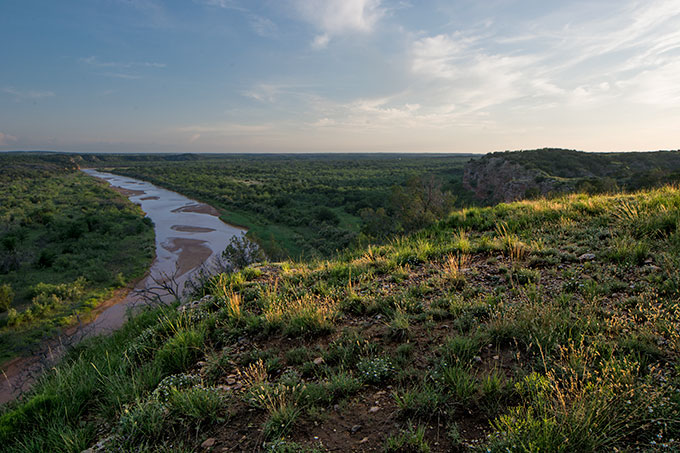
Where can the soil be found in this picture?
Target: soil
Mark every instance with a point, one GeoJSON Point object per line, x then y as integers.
{"type": "Point", "coordinates": [191, 229]}
{"type": "Point", "coordinates": [128, 192]}
{"type": "Point", "coordinates": [200, 208]}
{"type": "Point", "coordinates": [192, 253]}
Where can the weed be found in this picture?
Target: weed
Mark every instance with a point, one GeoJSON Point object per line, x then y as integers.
{"type": "Point", "coordinates": [376, 370]}
{"type": "Point", "coordinates": [411, 440]}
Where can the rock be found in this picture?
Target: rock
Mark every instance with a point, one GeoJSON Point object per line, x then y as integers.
{"type": "Point", "coordinates": [587, 257]}
{"type": "Point", "coordinates": [477, 359]}
{"type": "Point", "coordinates": [318, 361]}
{"type": "Point", "coordinates": [364, 440]}
{"type": "Point", "coordinates": [208, 443]}
{"type": "Point", "coordinates": [373, 409]}
{"type": "Point", "coordinates": [355, 428]}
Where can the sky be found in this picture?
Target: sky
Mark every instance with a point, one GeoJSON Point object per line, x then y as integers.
{"type": "Point", "coordinates": [339, 75]}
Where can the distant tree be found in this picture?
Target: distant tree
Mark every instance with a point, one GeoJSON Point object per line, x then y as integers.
{"type": "Point", "coordinates": [6, 297]}
{"type": "Point", "coordinates": [376, 223]}
{"type": "Point", "coordinates": [421, 202]}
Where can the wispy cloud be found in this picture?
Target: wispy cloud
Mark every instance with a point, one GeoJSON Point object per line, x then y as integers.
{"type": "Point", "coordinates": [335, 17]}
{"type": "Point", "coordinates": [6, 139]}
{"type": "Point", "coordinates": [32, 95]}
{"type": "Point", "coordinates": [127, 70]}
{"type": "Point", "coordinates": [96, 62]}
{"type": "Point", "coordinates": [261, 25]}
{"type": "Point", "coordinates": [630, 54]}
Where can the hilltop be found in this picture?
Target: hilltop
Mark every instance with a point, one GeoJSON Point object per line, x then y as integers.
{"type": "Point", "coordinates": [545, 325]}
{"type": "Point", "coordinates": [514, 175]}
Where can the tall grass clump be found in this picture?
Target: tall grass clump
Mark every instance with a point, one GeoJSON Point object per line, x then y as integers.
{"type": "Point", "coordinates": [584, 403]}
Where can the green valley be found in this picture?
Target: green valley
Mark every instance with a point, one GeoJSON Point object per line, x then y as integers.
{"type": "Point", "coordinates": [539, 325]}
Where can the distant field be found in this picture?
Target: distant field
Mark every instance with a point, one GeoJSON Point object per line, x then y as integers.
{"type": "Point", "coordinates": [66, 240]}
{"type": "Point", "coordinates": [296, 205]}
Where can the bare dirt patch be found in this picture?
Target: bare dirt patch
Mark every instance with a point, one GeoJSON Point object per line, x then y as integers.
{"type": "Point", "coordinates": [128, 192]}
{"type": "Point", "coordinates": [200, 208]}
{"type": "Point", "coordinates": [192, 253]}
{"type": "Point", "coordinates": [191, 229]}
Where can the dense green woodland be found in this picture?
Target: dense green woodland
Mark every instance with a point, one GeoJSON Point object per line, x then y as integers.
{"type": "Point", "coordinates": [306, 205]}
{"type": "Point", "coordinates": [65, 240]}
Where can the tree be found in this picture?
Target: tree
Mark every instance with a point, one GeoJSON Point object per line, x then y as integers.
{"type": "Point", "coordinates": [421, 203]}
{"type": "Point", "coordinates": [6, 297]}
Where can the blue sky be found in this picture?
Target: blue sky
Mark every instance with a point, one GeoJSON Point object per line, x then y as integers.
{"type": "Point", "coordinates": [339, 75]}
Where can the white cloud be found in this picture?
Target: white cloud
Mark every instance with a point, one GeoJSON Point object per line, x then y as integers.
{"type": "Point", "coordinates": [96, 62]}
{"type": "Point", "coordinates": [321, 41]}
{"type": "Point", "coordinates": [31, 95]}
{"type": "Point", "coordinates": [336, 17]}
{"type": "Point", "coordinates": [126, 70]}
{"type": "Point", "coordinates": [6, 139]}
{"type": "Point", "coordinates": [263, 27]}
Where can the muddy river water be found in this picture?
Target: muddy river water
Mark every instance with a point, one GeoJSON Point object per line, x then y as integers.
{"type": "Point", "coordinates": [188, 234]}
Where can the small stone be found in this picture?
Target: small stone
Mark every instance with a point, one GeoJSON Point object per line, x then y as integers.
{"type": "Point", "coordinates": [364, 440]}
{"type": "Point", "coordinates": [373, 409]}
{"type": "Point", "coordinates": [318, 361]}
{"type": "Point", "coordinates": [587, 257]}
{"type": "Point", "coordinates": [208, 443]}
{"type": "Point", "coordinates": [336, 407]}
{"type": "Point", "coordinates": [355, 428]}
{"type": "Point", "coordinates": [477, 359]}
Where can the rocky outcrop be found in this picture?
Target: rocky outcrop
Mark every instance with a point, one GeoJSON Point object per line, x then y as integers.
{"type": "Point", "coordinates": [496, 179]}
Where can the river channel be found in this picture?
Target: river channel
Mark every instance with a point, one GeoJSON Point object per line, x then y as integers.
{"type": "Point", "coordinates": [189, 234]}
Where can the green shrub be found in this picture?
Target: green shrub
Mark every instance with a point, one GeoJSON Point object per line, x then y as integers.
{"type": "Point", "coordinates": [376, 370]}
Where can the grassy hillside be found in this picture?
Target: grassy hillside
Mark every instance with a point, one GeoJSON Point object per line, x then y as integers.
{"type": "Point", "coordinates": [295, 205]}
{"type": "Point", "coordinates": [533, 326]}
{"type": "Point", "coordinates": [66, 240]}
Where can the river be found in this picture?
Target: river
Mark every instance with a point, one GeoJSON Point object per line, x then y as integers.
{"type": "Point", "coordinates": [188, 234]}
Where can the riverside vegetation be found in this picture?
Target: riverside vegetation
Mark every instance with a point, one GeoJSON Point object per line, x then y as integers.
{"type": "Point", "coordinates": [66, 241]}
{"type": "Point", "coordinates": [543, 325]}
{"type": "Point", "coordinates": [306, 205]}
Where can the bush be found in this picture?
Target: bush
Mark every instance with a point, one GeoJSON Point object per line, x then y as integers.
{"type": "Point", "coordinates": [6, 297]}
{"type": "Point", "coordinates": [376, 370]}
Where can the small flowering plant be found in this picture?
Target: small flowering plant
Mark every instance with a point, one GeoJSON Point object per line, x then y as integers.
{"type": "Point", "coordinates": [376, 369]}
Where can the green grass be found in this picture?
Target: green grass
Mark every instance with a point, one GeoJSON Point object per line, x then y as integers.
{"type": "Point", "coordinates": [575, 356]}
